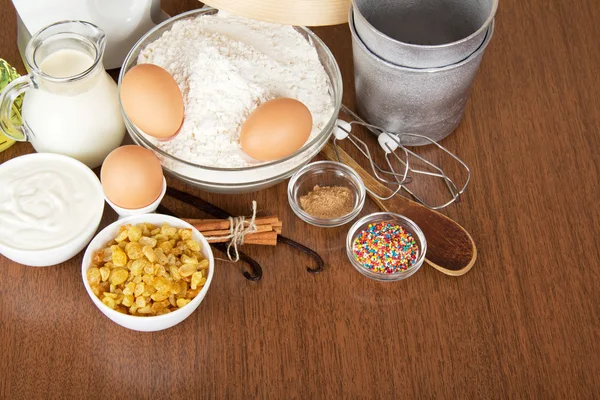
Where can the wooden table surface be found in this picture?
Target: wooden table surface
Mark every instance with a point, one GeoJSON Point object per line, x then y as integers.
{"type": "Point", "coordinates": [524, 322]}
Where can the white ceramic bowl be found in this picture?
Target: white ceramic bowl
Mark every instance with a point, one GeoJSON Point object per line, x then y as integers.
{"type": "Point", "coordinates": [151, 323]}
{"type": "Point", "coordinates": [45, 257]}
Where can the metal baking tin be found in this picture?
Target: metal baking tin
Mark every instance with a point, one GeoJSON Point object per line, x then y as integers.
{"type": "Point", "coordinates": [429, 102]}
{"type": "Point", "coordinates": [423, 33]}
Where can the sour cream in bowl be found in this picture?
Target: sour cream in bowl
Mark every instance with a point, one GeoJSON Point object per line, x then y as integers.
{"type": "Point", "coordinates": [50, 208]}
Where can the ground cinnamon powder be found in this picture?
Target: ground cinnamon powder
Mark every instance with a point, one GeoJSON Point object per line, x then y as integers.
{"type": "Point", "coordinates": [328, 201]}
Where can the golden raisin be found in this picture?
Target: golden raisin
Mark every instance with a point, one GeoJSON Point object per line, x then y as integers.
{"type": "Point", "coordinates": [134, 233]}
{"type": "Point", "coordinates": [159, 296]}
{"type": "Point", "coordinates": [158, 307]}
{"type": "Point", "coordinates": [161, 284]}
{"type": "Point", "coordinates": [119, 258]}
{"type": "Point", "coordinates": [145, 310]}
{"type": "Point", "coordinates": [148, 290]}
{"type": "Point", "coordinates": [166, 247]}
{"type": "Point", "coordinates": [104, 273]}
{"type": "Point", "coordinates": [149, 253]}
{"type": "Point", "coordinates": [174, 271]}
{"type": "Point", "coordinates": [189, 260]}
{"type": "Point", "coordinates": [93, 275]}
{"type": "Point", "coordinates": [98, 257]}
{"type": "Point", "coordinates": [122, 234]}
{"type": "Point", "coordinates": [192, 245]}
{"type": "Point", "coordinates": [161, 258]}
{"type": "Point", "coordinates": [159, 270]}
{"type": "Point", "coordinates": [118, 276]}
{"type": "Point", "coordinates": [183, 287]}
{"type": "Point", "coordinates": [139, 289]}
{"type": "Point", "coordinates": [149, 268]}
{"type": "Point", "coordinates": [134, 250]}
{"type": "Point", "coordinates": [167, 230]}
{"type": "Point", "coordinates": [140, 301]}
{"type": "Point", "coordinates": [182, 302]}
{"type": "Point", "coordinates": [121, 309]}
{"type": "Point", "coordinates": [107, 254]}
{"type": "Point", "coordinates": [137, 268]}
{"type": "Point", "coordinates": [109, 302]}
{"type": "Point", "coordinates": [187, 270]}
{"type": "Point", "coordinates": [147, 241]}
{"type": "Point", "coordinates": [196, 279]}
{"type": "Point", "coordinates": [128, 300]}
{"type": "Point", "coordinates": [129, 288]}
{"type": "Point", "coordinates": [147, 279]}
{"type": "Point", "coordinates": [185, 233]}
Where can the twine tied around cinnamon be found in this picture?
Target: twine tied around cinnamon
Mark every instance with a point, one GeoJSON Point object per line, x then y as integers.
{"type": "Point", "coordinates": [237, 232]}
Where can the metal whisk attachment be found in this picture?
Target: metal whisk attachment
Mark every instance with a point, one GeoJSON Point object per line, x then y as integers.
{"type": "Point", "coordinates": [396, 153]}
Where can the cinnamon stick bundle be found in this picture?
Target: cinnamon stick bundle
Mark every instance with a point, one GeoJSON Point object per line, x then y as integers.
{"type": "Point", "coordinates": [219, 230]}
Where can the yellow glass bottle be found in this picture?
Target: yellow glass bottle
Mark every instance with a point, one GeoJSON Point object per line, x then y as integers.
{"type": "Point", "coordinates": [7, 74]}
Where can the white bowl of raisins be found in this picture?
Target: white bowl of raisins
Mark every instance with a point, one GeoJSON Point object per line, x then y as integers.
{"type": "Point", "coordinates": [148, 272]}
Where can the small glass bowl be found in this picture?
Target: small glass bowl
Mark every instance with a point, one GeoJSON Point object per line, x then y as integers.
{"type": "Point", "coordinates": [398, 219]}
{"type": "Point", "coordinates": [325, 173]}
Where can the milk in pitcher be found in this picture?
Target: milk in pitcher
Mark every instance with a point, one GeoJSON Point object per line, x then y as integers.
{"type": "Point", "coordinates": [70, 104]}
{"type": "Point", "coordinates": [86, 123]}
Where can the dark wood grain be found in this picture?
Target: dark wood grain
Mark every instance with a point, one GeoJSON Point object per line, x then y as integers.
{"type": "Point", "coordinates": [450, 248]}
{"type": "Point", "coordinates": [523, 323]}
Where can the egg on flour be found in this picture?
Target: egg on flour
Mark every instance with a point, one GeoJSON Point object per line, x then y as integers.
{"type": "Point", "coordinates": [276, 129]}
{"type": "Point", "coordinates": [152, 100]}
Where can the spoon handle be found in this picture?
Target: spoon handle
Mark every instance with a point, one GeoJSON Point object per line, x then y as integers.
{"type": "Point", "coordinates": [450, 248]}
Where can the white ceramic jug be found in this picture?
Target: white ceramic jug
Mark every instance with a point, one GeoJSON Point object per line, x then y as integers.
{"type": "Point", "coordinates": [71, 104]}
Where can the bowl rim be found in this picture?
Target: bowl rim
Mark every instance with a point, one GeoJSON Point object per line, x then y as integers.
{"type": "Point", "coordinates": [324, 222]}
{"type": "Point", "coordinates": [246, 185]}
{"type": "Point", "coordinates": [396, 275]}
{"type": "Point", "coordinates": [311, 38]}
{"type": "Point", "coordinates": [154, 318]}
{"type": "Point", "coordinates": [356, 39]}
{"type": "Point", "coordinates": [377, 32]}
{"type": "Point", "coordinates": [88, 229]}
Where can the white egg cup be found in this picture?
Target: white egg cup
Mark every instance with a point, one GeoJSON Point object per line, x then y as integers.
{"type": "Point", "coordinates": [128, 212]}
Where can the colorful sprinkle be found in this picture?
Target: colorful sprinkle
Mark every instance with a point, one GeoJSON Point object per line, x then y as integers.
{"type": "Point", "coordinates": [385, 248]}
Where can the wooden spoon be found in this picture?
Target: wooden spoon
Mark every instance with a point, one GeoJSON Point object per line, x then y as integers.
{"type": "Point", "coordinates": [450, 248]}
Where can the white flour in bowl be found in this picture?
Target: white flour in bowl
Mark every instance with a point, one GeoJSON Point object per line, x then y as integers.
{"type": "Point", "coordinates": [226, 66]}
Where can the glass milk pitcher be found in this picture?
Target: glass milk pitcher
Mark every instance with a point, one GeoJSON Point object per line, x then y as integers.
{"type": "Point", "coordinates": [70, 105]}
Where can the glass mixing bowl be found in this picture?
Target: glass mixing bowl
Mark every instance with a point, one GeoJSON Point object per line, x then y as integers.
{"type": "Point", "coordinates": [247, 179]}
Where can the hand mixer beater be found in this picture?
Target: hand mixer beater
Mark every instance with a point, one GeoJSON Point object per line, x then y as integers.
{"type": "Point", "coordinates": [397, 154]}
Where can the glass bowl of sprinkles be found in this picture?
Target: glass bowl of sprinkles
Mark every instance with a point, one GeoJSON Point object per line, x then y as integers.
{"type": "Point", "coordinates": [386, 246]}
{"type": "Point", "coordinates": [326, 194]}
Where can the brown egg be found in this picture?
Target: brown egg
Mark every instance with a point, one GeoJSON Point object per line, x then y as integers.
{"type": "Point", "coordinates": [131, 177]}
{"type": "Point", "coordinates": [276, 129]}
{"type": "Point", "coordinates": [152, 100]}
